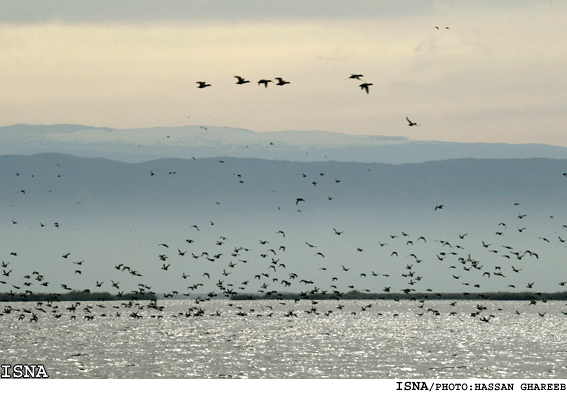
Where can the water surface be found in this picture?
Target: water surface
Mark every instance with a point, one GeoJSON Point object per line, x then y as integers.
{"type": "Point", "coordinates": [283, 339]}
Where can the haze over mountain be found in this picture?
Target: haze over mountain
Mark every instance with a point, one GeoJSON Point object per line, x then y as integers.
{"type": "Point", "coordinates": [253, 223]}
{"type": "Point", "coordinates": [137, 145]}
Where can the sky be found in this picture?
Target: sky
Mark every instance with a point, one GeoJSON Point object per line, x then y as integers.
{"type": "Point", "coordinates": [490, 72]}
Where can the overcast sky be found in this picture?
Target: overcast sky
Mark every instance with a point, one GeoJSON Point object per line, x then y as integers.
{"type": "Point", "coordinates": [496, 74]}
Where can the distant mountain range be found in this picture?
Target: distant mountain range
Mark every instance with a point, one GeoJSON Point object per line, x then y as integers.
{"type": "Point", "coordinates": [458, 217]}
{"type": "Point", "coordinates": [138, 145]}
{"type": "Point", "coordinates": [255, 209]}
{"type": "Point", "coordinates": [257, 185]}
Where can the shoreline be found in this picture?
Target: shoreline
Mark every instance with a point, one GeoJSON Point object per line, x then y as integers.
{"type": "Point", "coordinates": [352, 295]}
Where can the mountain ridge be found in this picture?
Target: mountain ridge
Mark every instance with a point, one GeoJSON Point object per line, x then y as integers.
{"type": "Point", "coordinates": [142, 144]}
{"type": "Point", "coordinates": [107, 213]}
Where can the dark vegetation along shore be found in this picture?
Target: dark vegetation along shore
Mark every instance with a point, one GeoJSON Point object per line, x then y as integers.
{"type": "Point", "coordinates": [71, 296]}
{"type": "Point", "coordinates": [357, 295]}
{"type": "Point", "coordinates": [352, 295]}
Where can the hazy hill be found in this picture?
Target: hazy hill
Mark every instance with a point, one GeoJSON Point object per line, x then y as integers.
{"type": "Point", "coordinates": [254, 185]}
{"type": "Point", "coordinates": [137, 145]}
{"type": "Point", "coordinates": [107, 213]}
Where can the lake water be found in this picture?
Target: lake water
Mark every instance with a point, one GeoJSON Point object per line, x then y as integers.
{"type": "Point", "coordinates": [370, 339]}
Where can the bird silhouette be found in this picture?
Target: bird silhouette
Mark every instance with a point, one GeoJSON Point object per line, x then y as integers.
{"type": "Point", "coordinates": [410, 123]}
{"type": "Point", "coordinates": [202, 84]}
{"type": "Point", "coordinates": [241, 80]}
{"type": "Point", "coordinates": [281, 81]}
{"type": "Point", "coordinates": [365, 86]}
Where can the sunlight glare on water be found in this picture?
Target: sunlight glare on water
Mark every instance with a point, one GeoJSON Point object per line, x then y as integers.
{"type": "Point", "coordinates": [388, 340]}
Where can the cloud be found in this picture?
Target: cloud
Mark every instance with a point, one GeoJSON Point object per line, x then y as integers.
{"type": "Point", "coordinates": [207, 11]}
{"type": "Point", "coordinates": [129, 64]}
{"type": "Point", "coordinates": [158, 11]}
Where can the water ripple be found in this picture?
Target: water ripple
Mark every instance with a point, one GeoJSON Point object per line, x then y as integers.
{"type": "Point", "coordinates": [398, 342]}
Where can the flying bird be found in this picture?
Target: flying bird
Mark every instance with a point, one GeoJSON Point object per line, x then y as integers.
{"type": "Point", "coordinates": [410, 123]}
{"type": "Point", "coordinates": [202, 84]}
{"type": "Point", "coordinates": [240, 80]}
{"type": "Point", "coordinates": [365, 86]}
{"type": "Point", "coordinates": [281, 81]}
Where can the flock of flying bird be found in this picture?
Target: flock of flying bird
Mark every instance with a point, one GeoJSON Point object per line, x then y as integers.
{"type": "Point", "coordinates": [216, 270]}
{"type": "Point", "coordinates": [365, 86]}
{"type": "Point", "coordinates": [213, 269]}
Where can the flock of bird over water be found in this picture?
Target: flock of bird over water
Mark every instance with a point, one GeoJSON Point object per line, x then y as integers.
{"type": "Point", "coordinates": [212, 268]}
